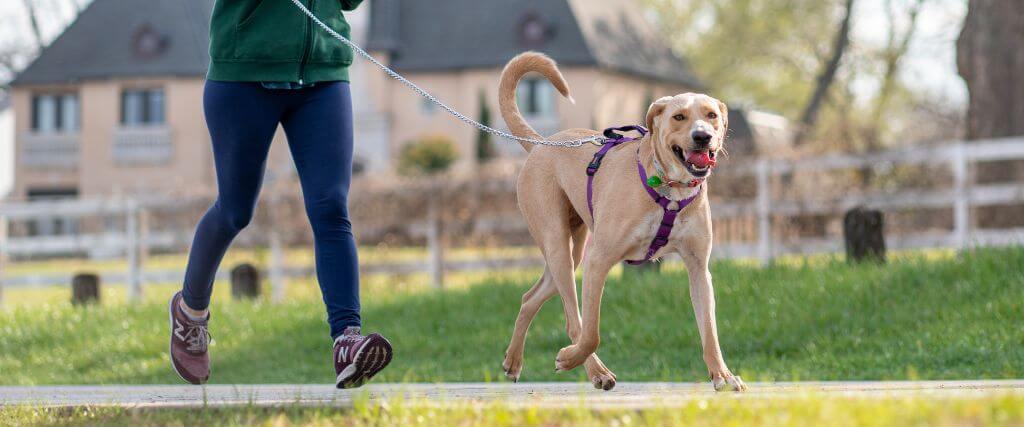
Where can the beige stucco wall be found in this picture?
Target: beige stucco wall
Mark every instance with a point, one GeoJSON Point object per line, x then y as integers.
{"type": "Point", "coordinates": [603, 99]}
{"type": "Point", "coordinates": [189, 171]}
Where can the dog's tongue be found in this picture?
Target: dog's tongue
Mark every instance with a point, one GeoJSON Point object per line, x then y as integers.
{"type": "Point", "coordinates": [700, 159]}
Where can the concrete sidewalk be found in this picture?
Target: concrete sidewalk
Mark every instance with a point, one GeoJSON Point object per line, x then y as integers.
{"type": "Point", "coordinates": [625, 395]}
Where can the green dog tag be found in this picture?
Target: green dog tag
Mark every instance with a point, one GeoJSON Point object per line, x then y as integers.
{"type": "Point", "coordinates": [654, 181]}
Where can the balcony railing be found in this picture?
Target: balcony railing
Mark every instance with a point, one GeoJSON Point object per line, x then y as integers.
{"type": "Point", "coordinates": [150, 145]}
{"type": "Point", "coordinates": [49, 150]}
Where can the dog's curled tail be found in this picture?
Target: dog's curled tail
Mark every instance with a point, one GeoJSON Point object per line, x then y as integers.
{"type": "Point", "coordinates": [514, 71]}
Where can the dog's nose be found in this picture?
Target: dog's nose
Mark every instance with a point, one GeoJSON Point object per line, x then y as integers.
{"type": "Point", "coordinates": [701, 138]}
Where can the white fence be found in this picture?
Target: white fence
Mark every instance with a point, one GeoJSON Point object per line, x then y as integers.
{"type": "Point", "coordinates": [764, 210]}
{"type": "Point", "coordinates": [960, 196]}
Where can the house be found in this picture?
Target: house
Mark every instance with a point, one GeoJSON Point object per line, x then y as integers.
{"type": "Point", "coordinates": [611, 56]}
{"type": "Point", "coordinates": [6, 145]}
{"type": "Point", "coordinates": [114, 105]}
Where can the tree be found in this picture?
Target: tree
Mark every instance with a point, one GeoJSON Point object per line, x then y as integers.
{"type": "Point", "coordinates": [990, 58]}
{"type": "Point", "coordinates": [30, 8]}
{"type": "Point", "coordinates": [828, 74]}
{"type": "Point", "coordinates": [484, 142]}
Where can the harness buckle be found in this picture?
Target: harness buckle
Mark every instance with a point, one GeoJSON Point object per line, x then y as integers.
{"type": "Point", "coordinates": [595, 164]}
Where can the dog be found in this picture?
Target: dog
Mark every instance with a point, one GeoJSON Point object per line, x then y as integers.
{"type": "Point", "coordinates": [552, 195]}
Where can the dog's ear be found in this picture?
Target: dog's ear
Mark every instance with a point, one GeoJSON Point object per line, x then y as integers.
{"type": "Point", "coordinates": [656, 108]}
{"type": "Point", "coordinates": [725, 118]}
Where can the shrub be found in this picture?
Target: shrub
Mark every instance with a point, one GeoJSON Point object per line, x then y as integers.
{"type": "Point", "coordinates": [428, 156]}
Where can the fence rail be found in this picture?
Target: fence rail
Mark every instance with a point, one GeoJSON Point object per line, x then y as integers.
{"type": "Point", "coordinates": [961, 196]}
{"type": "Point", "coordinates": [764, 211]}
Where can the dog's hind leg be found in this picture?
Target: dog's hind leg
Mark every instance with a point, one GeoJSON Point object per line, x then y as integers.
{"type": "Point", "coordinates": [533, 300]}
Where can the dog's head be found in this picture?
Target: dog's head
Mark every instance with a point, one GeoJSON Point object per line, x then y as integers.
{"type": "Point", "coordinates": [688, 131]}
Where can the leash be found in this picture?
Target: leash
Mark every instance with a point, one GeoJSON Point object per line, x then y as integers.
{"type": "Point", "coordinates": [669, 214]}
{"type": "Point", "coordinates": [596, 140]}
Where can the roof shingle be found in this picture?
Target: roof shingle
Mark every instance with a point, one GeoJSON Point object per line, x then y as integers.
{"type": "Point", "coordinates": [460, 34]}
{"type": "Point", "coordinates": [101, 42]}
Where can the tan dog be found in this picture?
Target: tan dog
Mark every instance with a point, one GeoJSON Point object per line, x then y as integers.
{"type": "Point", "coordinates": [552, 196]}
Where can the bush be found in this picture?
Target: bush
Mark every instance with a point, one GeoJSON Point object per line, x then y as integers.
{"type": "Point", "coordinates": [428, 156]}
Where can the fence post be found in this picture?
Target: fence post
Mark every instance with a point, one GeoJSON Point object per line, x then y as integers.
{"type": "Point", "coordinates": [3, 255]}
{"type": "Point", "coordinates": [434, 243]}
{"type": "Point", "coordinates": [277, 281]}
{"type": "Point", "coordinates": [132, 251]}
{"type": "Point", "coordinates": [961, 197]}
{"type": "Point", "coordinates": [764, 212]}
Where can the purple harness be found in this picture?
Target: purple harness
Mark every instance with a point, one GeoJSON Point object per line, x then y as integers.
{"type": "Point", "coordinates": [668, 218]}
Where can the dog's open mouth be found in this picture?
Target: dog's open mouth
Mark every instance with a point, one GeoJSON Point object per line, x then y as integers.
{"type": "Point", "coordinates": [697, 162]}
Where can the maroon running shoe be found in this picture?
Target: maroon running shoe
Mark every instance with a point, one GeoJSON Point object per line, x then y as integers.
{"type": "Point", "coordinates": [190, 340]}
{"type": "Point", "coordinates": [358, 358]}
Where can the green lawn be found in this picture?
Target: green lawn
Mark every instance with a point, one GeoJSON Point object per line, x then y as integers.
{"type": "Point", "coordinates": [919, 317]}
{"type": "Point", "coordinates": [723, 410]}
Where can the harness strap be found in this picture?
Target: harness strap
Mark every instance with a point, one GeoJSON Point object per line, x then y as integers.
{"type": "Point", "coordinates": [668, 218]}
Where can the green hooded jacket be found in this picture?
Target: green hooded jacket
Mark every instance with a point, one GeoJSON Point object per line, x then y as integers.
{"type": "Point", "coordinates": [273, 41]}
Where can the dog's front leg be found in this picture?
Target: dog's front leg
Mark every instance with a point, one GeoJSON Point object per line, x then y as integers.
{"type": "Point", "coordinates": [595, 271]}
{"type": "Point", "coordinates": [702, 293]}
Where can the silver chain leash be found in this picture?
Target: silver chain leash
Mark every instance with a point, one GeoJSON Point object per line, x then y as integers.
{"type": "Point", "coordinates": [597, 139]}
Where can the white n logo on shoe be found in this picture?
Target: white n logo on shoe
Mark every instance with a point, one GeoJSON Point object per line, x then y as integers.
{"type": "Point", "coordinates": [343, 355]}
{"type": "Point", "coordinates": [178, 329]}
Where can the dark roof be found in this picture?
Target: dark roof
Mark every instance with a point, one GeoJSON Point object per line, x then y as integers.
{"type": "Point", "coordinates": [459, 34]}
{"type": "Point", "coordinates": [104, 42]}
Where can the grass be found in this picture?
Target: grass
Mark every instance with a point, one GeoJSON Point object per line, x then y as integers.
{"type": "Point", "coordinates": [918, 317]}
{"type": "Point", "coordinates": [719, 411]}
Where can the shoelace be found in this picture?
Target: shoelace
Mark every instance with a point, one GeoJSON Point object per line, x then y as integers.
{"type": "Point", "coordinates": [198, 338]}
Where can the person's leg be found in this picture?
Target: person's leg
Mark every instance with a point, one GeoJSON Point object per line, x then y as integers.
{"type": "Point", "coordinates": [242, 119]}
{"type": "Point", "coordinates": [319, 130]}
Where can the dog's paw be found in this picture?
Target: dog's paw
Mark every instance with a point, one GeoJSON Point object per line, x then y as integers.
{"type": "Point", "coordinates": [600, 376]}
{"type": "Point", "coordinates": [726, 381]}
{"type": "Point", "coordinates": [513, 368]}
{"type": "Point", "coordinates": [569, 358]}
{"type": "Point", "coordinates": [604, 381]}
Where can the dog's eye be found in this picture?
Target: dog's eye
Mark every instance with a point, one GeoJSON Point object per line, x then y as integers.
{"type": "Point", "coordinates": [679, 117]}
{"type": "Point", "coordinates": [712, 115]}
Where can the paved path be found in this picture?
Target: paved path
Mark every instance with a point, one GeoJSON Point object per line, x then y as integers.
{"type": "Point", "coordinates": [625, 395]}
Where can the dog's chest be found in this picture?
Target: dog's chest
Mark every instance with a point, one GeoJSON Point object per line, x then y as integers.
{"type": "Point", "coordinates": [644, 233]}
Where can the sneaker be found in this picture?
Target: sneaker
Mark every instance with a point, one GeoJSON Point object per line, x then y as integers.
{"type": "Point", "coordinates": [358, 358]}
{"type": "Point", "coordinates": [190, 340]}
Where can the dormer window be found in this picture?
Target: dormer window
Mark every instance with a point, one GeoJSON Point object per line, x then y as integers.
{"type": "Point", "coordinates": [148, 43]}
{"type": "Point", "coordinates": [533, 30]}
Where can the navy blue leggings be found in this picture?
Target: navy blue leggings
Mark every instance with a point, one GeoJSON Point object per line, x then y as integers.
{"type": "Point", "coordinates": [242, 118]}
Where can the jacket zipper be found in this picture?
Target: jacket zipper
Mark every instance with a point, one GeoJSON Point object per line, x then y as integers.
{"type": "Point", "coordinates": [307, 44]}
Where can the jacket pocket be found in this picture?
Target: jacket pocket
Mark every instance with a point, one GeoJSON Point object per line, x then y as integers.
{"type": "Point", "coordinates": [270, 33]}
{"type": "Point", "coordinates": [326, 49]}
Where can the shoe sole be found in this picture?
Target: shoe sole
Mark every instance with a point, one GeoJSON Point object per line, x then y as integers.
{"type": "Point", "coordinates": [371, 359]}
{"type": "Point", "coordinates": [170, 345]}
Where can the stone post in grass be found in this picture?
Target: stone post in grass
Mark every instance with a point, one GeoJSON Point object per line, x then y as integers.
{"type": "Point", "coordinates": [429, 158]}
{"type": "Point", "coordinates": [85, 289]}
{"type": "Point", "coordinates": [863, 231]}
{"type": "Point", "coordinates": [245, 282]}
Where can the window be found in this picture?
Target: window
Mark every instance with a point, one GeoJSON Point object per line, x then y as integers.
{"type": "Point", "coordinates": [427, 107]}
{"type": "Point", "coordinates": [536, 97]}
{"type": "Point", "coordinates": [52, 113]}
{"type": "Point", "coordinates": [142, 107]}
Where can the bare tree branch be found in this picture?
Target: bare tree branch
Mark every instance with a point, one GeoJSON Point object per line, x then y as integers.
{"type": "Point", "coordinates": [828, 74]}
{"type": "Point", "coordinates": [30, 7]}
